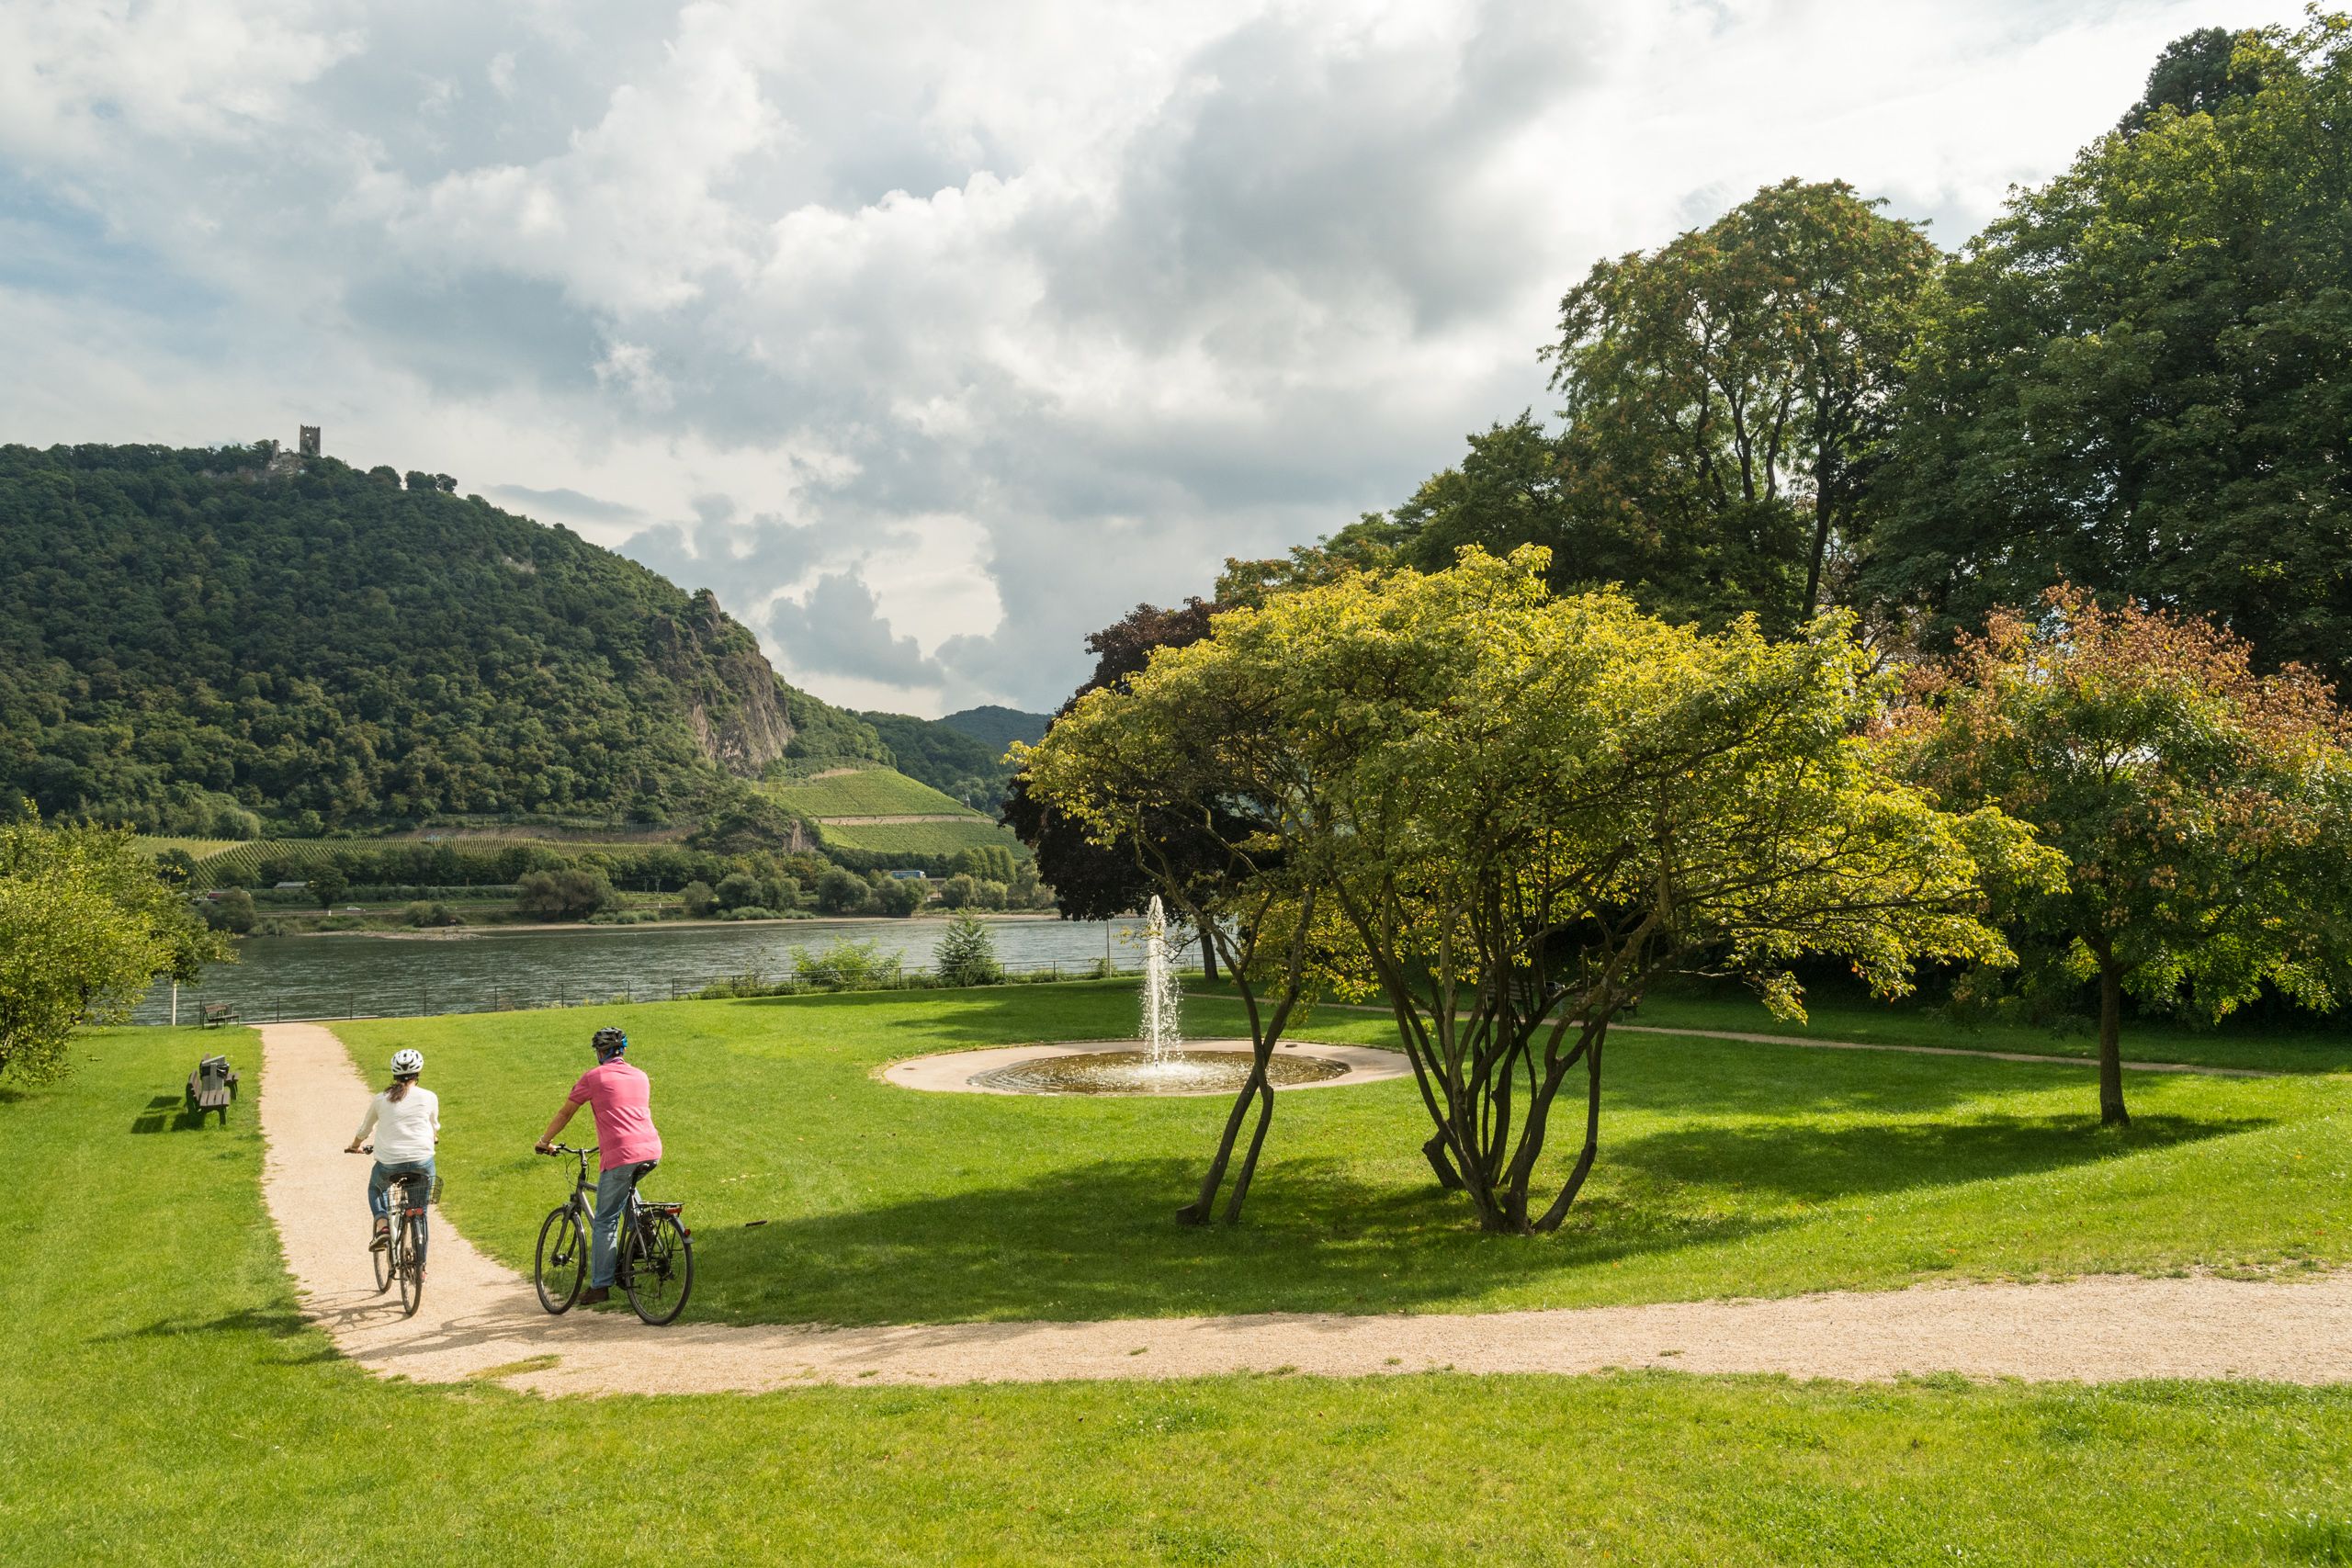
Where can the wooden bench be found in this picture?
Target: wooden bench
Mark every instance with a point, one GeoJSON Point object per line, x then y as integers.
{"type": "Point", "coordinates": [218, 1013]}
{"type": "Point", "coordinates": [210, 1088]}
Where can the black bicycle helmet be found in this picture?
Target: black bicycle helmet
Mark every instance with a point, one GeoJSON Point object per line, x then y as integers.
{"type": "Point", "coordinates": [609, 1043]}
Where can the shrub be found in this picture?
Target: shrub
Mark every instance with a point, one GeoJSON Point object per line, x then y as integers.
{"type": "Point", "coordinates": [966, 953]}
{"type": "Point", "coordinates": [231, 911]}
{"type": "Point", "coordinates": [751, 912]}
{"type": "Point", "coordinates": [848, 966]}
{"type": "Point", "coordinates": [425, 912]}
{"type": "Point", "coordinates": [737, 888]}
{"type": "Point", "coordinates": [960, 891]}
{"type": "Point", "coordinates": [563, 894]}
{"type": "Point", "coordinates": [901, 898]}
{"type": "Point", "coordinates": [842, 892]}
{"type": "Point", "coordinates": [700, 899]}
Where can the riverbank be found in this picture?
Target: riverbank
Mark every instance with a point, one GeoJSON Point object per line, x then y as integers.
{"type": "Point", "coordinates": [923, 917]}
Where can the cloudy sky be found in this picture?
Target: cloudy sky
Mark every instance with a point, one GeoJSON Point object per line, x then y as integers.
{"type": "Point", "coordinates": [933, 335]}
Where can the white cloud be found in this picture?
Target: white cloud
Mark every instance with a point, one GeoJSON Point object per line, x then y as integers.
{"type": "Point", "coordinates": [940, 335]}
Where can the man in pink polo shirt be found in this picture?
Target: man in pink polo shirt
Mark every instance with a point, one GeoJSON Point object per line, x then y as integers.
{"type": "Point", "coordinates": [627, 1146]}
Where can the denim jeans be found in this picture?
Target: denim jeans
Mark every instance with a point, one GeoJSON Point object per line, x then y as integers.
{"type": "Point", "coordinates": [420, 1186]}
{"type": "Point", "coordinates": [613, 1189]}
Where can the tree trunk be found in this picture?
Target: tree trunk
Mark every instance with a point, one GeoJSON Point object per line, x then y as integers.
{"type": "Point", "coordinates": [1449, 1178]}
{"type": "Point", "coordinates": [2110, 1047]}
{"type": "Point", "coordinates": [1208, 960]}
{"type": "Point", "coordinates": [1197, 1211]}
{"type": "Point", "coordinates": [1551, 1218]}
{"type": "Point", "coordinates": [1256, 1142]}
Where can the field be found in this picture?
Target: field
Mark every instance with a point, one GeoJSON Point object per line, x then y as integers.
{"type": "Point", "coordinates": [1727, 1169]}
{"type": "Point", "coordinates": [922, 838]}
{"type": "Point", "coordinates": [187, 1414]}
{"type": "Point", "coordinates": [869, 791]}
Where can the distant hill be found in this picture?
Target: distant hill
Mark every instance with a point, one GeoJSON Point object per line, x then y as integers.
{"type": "Point", "coordinates": [998, 728]}
{"type": "Point", "coordinates": [216, 642]}
{"type": "Point", "coordinates": [947, 759]}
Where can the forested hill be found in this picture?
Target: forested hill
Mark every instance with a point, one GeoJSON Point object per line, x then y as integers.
{"type": "Point", "coordinates": [190, 640]}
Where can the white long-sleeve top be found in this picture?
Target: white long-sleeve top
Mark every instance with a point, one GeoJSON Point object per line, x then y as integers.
{"type": "Point", "coordinates": [404, 1128]}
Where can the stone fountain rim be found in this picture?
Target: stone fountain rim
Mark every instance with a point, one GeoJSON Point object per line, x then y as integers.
{"type": "Point", "coordinates": [952, 1072]}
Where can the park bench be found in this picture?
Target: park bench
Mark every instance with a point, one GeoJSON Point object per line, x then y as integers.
{"type": "Point", "coordinates": [212, 1087]}
{"type": "Point", "coordinates": [218, 1013]}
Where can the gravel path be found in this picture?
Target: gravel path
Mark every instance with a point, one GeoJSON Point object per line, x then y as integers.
{"type": "Point", "coordinates": [480, 1320]}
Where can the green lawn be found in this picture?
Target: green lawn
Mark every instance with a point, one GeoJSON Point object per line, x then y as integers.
{"type": "Point", "coordinates": [2236, 1042]}
{"type": "Point", "coordinates": [165, 1403]}
{"type": "Point", "coordinates": [1726, 1169]}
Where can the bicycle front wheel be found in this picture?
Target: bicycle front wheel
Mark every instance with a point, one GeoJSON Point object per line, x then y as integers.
{"type": "Point", "coordinates": [562, 1265]}
{"type": "Point", "coordinates": [658, 1271]}
{"type": "Point", "coordinates": [410, 1264]}
{"type": "Point", "coordinates": [381, 1256]}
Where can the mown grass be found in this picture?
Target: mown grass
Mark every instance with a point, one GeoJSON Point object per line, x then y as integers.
{"type": "Point", "coordinates": [166, 1404]}
{"type": "Point", "coordinates": [2236, 1042]}
{"type": "Point", "coordinates": [1726, 1169]}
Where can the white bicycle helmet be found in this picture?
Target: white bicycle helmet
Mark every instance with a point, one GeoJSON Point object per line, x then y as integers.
{"type": "Point", "coordinates": [407, 1063]}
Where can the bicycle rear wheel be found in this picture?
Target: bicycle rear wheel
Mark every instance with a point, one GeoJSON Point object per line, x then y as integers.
{"type": "Point", "coordinates": [410, 1264]}
{"type": "Point", "coordinates": [562, 1266]}
{"type": "Point", "coordinates": [657, 1265]}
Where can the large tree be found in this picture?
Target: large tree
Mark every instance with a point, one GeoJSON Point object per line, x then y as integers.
{"type": "Point", "coordinates": [2205, 812]}
{"type": "Point", "coordinates": [2136, 379]}
{"type": "Point", "coordinates": [1725, 402]}
{"type": "Point", "coordinates": [1509, 813]}
{"type": "Point", "coordinates": [87, 925]}
{"type": "Point", "coordinates": [1732, 387]}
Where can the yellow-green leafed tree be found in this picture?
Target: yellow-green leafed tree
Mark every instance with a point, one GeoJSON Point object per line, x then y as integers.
{"type": "Point", "coordinates": [1509, 813]}
{"type": "Point", "coordinates": [86, 924]}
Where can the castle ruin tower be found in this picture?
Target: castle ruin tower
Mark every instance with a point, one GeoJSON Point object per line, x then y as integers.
{"type": "Point", "coordinates": [310, 441]}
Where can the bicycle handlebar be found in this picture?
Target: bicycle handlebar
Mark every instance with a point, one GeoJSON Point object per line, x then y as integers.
{"type": "Point", "coordinates": [553, 1149]}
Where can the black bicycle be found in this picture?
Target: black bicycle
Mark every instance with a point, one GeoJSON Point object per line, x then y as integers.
{"type": "Point", "coordinates": [402, 1256]}
{"type": "Point", "coordinates": [656, 1264]}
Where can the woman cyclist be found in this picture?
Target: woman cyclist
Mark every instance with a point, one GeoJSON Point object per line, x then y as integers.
{"type": "Point", "coordinates": [407, 1123]}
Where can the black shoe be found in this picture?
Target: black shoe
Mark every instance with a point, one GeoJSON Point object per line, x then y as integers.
{"type": "Point", "coordinates": [381, 1239]}
{"type": "Point", "coordinates": [596, 1295]}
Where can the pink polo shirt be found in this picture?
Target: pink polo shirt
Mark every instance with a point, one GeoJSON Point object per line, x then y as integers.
{"type": "Point", "coordinates": [622, 1098]}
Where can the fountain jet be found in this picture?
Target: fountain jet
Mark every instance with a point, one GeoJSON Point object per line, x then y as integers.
{"type": "Point", "coordinates": [1162, 1004]}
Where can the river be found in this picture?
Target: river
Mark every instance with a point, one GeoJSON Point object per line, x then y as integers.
{"type": "Point", "coordinates": [359, 975]}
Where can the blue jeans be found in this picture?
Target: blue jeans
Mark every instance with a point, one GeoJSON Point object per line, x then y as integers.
{"type": "Point", "coordinates": [613, 1187]}
{"type": "Point", "coordinates": [420, 1189]}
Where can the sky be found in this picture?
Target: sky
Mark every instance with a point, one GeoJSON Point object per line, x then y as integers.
{"type": "Point", "coordinates": [933, 336]}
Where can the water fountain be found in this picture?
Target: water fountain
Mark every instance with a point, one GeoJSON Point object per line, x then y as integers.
{"type": "Point", "coordinates": [1162, 1065]}
{"type": "Point", "coordinates": [1162, 1027]}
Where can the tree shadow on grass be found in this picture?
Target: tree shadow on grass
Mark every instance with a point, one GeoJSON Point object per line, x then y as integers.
{"type": "Point", "coordinates": [1816, 1162]}
{"type": "Point", "coordinates": [278, 1323]}
{"type": "Point", "coordinates": [1098, 1240]}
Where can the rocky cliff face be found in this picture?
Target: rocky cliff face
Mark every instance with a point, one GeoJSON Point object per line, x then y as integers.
{"type": "Point", "coordinates": [733, 701]}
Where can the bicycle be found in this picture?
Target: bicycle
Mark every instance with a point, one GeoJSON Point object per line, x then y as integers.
{"type": "Point", "coordinates": [655, 1266]}
{"type": "Point", "coordinates": [402, 1256]}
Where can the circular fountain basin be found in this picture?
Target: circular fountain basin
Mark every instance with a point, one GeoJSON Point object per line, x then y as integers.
{"type": "Point", "coordinates": [1120, 1067]}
